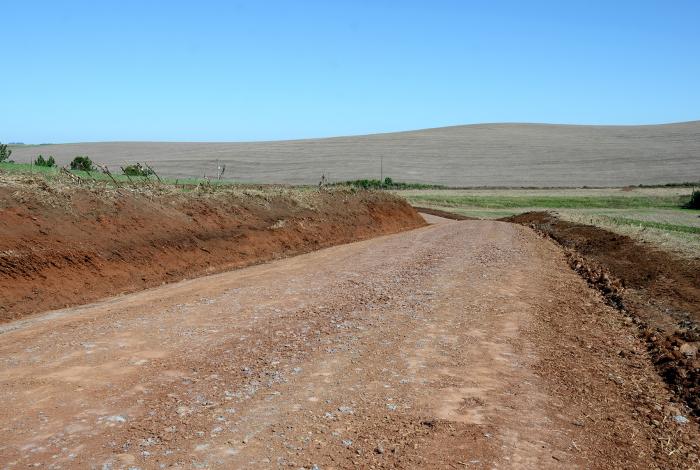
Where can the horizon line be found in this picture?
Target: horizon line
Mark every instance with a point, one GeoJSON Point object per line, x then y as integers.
{"type": "Point", "coordinates": [504, 123]}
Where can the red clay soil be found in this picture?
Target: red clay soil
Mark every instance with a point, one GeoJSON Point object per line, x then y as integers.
{"type": "Point", "coordinates": [62, 246]}
{"type": "Point", "coordinates": [460, 345]}
{"type": "Point", "coordinates": [660, 291]}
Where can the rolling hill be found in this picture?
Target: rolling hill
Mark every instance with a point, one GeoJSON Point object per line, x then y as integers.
{"type": "Point", "coordinates": [472, 155]}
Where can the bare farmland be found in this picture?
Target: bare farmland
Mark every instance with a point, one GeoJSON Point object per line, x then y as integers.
{"type": "Point", "coordinates": [476, 155]}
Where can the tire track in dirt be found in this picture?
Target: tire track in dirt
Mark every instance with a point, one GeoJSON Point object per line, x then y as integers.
{"type": "Point", "coordinates": [459, 345]}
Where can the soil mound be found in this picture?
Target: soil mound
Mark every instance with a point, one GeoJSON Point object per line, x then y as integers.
{"type": "Point", "coordinates": [444, 214]}
{"type": "Point", "coordinates": [63, 245]}
{"type": "Point", "coordinates": [661, 292]}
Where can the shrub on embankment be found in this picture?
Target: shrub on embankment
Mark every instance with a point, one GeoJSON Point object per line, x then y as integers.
{"type": "Point", "coordinates": [82, 163]}
{"type": "Point", "coordinates": [386, 183]}
{"type": "Point", "coordinates": [694, 201]}
{"type": "Point", "coordinates": [49, 162]}
{"type": "Point", "coordinates": [5, 152]}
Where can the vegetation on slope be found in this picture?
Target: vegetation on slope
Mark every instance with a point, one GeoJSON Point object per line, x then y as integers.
{"type": "Point", "coordinates": [549, 202]}
{"type": "Point", "coordinates": [4, 152]}
{"type": "Point", "coordinates": [661, 215]}
{"type": "Point", "coordinates": [386, 183]}
{"type": "Point", "coordinates": [694, 201]}
{"type": "Point", "coordinates": [45, 162]}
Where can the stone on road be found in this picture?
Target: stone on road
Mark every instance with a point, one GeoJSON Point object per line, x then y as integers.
{"type": "Point", "coordinates": [458, 345]}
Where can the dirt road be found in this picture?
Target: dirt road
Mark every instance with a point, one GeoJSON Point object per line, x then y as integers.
{"type": "Point", "coordinates": [459, 345]}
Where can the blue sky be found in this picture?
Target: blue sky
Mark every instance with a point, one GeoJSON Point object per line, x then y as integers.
{"type": "Point", "coordinates": [258, 70]}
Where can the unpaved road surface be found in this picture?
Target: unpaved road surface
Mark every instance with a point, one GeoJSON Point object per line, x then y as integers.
{"type": "Point", "coordinates": [459, 345]}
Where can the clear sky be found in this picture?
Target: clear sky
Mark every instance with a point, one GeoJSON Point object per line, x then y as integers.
{"type": "Point", "coordinates": [260, 70]}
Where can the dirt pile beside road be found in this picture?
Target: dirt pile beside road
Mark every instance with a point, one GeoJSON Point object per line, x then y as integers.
{"type": "Point", "coordinates": [63, 245]}
{"type": "Point", "coordinates": [659, 290]}
{"type": "Point", "coordinates": [443, 214]}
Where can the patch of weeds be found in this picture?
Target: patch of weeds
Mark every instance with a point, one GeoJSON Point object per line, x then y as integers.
{"type": "Point", "coordinates": [45, 162]}
{"type": "Point", "coordinates": [82, 163]}
{"type": "Point", "coordinates": [694, 202]}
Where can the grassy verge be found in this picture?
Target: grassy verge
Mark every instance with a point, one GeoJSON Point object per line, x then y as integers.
{"type": "Point", "coordinates": [650, 214]}
{"type": "Point", "coordinates": [549, 202]}
{"type": "Point", "coordinates": [387, 183]}
{"type": "Point", "coordinates": [675, 231]}
{"type": "Point", "coordinates": [27, 168]}
{"type": "Point", "coordinates": [97, 175]}
{"type": "Point", "coordinates": [651, 224]}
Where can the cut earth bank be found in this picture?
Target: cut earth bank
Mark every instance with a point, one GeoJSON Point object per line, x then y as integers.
{"type": "Point", "coordinates": [65, 244]}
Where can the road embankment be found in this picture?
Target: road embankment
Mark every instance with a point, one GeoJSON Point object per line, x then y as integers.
{"type": "Point", "coordinates": [64, 244]}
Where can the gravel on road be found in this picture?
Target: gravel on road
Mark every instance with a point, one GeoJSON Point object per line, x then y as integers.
{"type": "Point", "coordinates": [464, 344]}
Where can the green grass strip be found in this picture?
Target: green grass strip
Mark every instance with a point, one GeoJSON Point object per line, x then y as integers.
{"type": "Point", "coordinates": [552, 202]}
{"type": "Point", "coordinates": [650, 224]}
{"type": "Point", "coordinates": [97, 175]}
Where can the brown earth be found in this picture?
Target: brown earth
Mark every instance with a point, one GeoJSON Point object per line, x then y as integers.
{"type": "Point", "coordinates": [464, 344]}
{"type": "Point", "coordinates": [443, 214]}
{"type": "Point", "coordinates": [62, 246]}
{"type": "Point", "coordinates": [661, 291]}
{"type": "Point", "coordinates": [505, 155]}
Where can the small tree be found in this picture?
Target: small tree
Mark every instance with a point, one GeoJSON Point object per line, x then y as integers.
{"type": "Point", "coordinates": [388, 182]}
{"type": "Point", "coordinates": [82, 163]}
{"type": "Point", "coordinates": [138, 170]}
{"type": "Point", "coordinates": [694, 202]}
{"type": "Point", "coordinates": [48, 162]}
{"type": "Point", "coordinates": [4, 152]}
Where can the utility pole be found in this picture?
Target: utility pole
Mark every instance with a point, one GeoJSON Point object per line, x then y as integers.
{"type": "Point", "coordinates": [381, 169]}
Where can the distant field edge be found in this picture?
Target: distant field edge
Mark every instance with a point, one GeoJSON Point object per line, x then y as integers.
{"type": "Point", "coordinates": [472, 156]}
